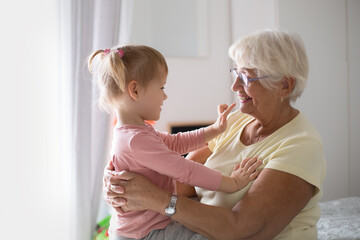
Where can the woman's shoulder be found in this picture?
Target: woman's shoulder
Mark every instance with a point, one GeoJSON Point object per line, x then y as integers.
{"type": "Point", "coordinates": [303, 126]}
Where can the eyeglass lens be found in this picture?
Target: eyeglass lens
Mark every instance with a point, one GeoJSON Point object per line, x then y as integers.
{"type": "Point", "coordinates": [242, 77]}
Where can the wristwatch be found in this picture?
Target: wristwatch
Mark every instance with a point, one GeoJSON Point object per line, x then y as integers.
{"type": "Point", "coordinates": [171, 208]}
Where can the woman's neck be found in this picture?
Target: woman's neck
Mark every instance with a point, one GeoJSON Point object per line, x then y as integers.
{"type": "Point", "coordinates": [261, 128]}
{"type": "Point", "coordinates": [269, 125]}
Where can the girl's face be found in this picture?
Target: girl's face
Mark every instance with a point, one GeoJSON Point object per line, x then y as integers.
{"type": "Point", "coordinates": [255, 99]}
{"type": "Point", "coordinates": [153, 97]}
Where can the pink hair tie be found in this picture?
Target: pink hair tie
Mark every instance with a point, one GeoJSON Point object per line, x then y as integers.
{"type": "Point", "coordinates": [120, 52]}
{"type": "Point", "coordinates": [106, 51]}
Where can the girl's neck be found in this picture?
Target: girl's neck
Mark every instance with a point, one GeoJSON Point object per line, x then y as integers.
{"type": "Point", "coordinates": [127, 118]}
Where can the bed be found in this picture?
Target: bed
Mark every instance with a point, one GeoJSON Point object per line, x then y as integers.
{"type": "Point", "coordinates": [340, 219]}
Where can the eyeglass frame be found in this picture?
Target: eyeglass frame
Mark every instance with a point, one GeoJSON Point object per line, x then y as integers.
{"type": "Point", "coordinates": [244, 80]}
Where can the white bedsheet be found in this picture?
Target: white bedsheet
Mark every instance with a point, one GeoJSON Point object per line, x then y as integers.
{"type": "Point", "coordinates": [340, 219]}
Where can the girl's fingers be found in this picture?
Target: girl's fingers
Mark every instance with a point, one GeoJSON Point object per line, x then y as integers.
{"type": "Point", "coordinates": [254, 166]}
{"type": "Point", "coordinates": [229, 109]}
{"type": "Point", "coordinates": [222, 108]}
{"type": "Point", "coordinates": [248, 162]}
{"type": "Point", "coordinates": [255, 174]}
{"type": "Point", "coordinates": [237, 166]}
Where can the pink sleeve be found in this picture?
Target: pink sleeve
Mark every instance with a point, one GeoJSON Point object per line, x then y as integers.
{"type": "Point", "coordinates": [150, 152]}
{"type": "Point", "coordinates": [184, 142]}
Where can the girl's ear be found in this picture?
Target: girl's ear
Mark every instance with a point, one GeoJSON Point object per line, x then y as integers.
{"type": "Point", "coordinates": [133, 89]}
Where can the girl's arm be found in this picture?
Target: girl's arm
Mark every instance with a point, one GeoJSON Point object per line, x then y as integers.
{"type": "Point", "coordinates": [185, 142]}
{"type": "Point", "coordinates": [200, 156]}
{"type": "Point", "coordinates": [243, 173]}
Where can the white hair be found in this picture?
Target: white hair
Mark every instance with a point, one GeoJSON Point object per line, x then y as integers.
{"type": "Point", "coordinates": [276, 54]}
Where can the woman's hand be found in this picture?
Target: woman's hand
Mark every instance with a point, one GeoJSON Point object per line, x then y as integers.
{"type": "Point", "coordinates": [112, 192]}
{"type": "Point", "coordinates": [127, 191]}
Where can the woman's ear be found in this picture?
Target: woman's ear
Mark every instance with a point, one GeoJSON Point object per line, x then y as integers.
{"type": "Point", "coordinates": [288, 84]}
{"type": "Point", "coordinates": [133, 88]}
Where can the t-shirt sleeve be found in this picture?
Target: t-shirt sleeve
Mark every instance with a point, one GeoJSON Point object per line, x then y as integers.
{"type": "Point", "coordinates": [184, 142]}
{"type": "Point", "coordinates": [301, 156]}
{"type": "Point", "coordinates": [150, 152]}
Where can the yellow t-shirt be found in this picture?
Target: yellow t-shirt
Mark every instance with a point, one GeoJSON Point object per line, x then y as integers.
{"type": "Point", "coordinates": [295, 148]}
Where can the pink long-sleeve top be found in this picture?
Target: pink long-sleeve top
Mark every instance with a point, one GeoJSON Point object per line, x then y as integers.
{"type": "Point", "coordinates": [143, 150]}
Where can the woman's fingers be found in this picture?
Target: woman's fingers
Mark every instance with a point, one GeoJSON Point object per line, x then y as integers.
{"type": "Point", "coordinates": [118, 202]}
{"type": "Point", "coordinates": [125, 175]}
{"type": "Point", "coordinates": [116, 185]}
{"type": "Point", "coordinates": [110, 166]}
{"type": "Point", "coordinates": [109, 171]}
{"type": "Point", "coordinates": [116, 182]}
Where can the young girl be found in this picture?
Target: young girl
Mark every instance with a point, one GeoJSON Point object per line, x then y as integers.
{"type": "Point", "coordinates": [131, 80]}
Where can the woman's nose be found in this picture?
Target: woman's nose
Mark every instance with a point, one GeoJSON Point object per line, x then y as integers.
{"type": "Point", "coordinates": [236, 86]}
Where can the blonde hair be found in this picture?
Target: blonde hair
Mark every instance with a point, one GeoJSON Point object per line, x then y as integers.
{"type": "Point", "coordinates": [275, 54]}
{"type": "Point", "coordinates": [118, 66]}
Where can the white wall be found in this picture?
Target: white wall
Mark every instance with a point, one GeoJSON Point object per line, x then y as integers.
{"type": "Point", "coordinates": [332, 100]}
{"type": "Point", "coordinates": [195, 86]}
{"type": "Point", "coordinates": [31, 181]}
{"type": "Point", "coordinates": [353, 18]}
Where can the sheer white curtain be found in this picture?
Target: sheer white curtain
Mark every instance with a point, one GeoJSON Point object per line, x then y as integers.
{"type": "Point", "coordinates": [85, 25]}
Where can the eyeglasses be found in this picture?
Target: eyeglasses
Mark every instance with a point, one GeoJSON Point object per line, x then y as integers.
{"type": "Point", "coordinates": [244, 80]}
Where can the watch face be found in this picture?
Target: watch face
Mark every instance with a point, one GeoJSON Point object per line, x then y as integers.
{"type": "Point", "coordinates": [170, 210]}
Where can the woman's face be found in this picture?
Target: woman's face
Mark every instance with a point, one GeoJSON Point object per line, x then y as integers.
{"type": "Point", "coordinates": [255, 99]}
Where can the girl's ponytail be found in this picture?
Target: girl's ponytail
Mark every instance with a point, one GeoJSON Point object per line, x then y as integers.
{"type": "Point", "coordinates": [110, 76]}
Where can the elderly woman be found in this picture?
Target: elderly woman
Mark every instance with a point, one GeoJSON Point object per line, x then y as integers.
{"type": "Point", "coordinates": [270, 72]}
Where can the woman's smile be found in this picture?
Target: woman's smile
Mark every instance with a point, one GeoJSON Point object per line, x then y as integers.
{"type": "Point", "coordinates": [244, 98]}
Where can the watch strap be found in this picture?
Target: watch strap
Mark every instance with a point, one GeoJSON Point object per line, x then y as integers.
{"type": "Point", "coordinates": [171, 208]}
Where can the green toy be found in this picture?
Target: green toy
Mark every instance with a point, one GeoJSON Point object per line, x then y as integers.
{"type": "Point", "coordinates": [102, 227]}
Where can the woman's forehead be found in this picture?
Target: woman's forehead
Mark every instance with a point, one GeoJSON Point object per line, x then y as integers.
{"type": "Point", "coordinates": [245, 70]}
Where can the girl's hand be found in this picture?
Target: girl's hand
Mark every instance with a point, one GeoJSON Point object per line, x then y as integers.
{"type": "Point", "coordinates": [246, 171]}
{"type": "Point", "coordinates": [221, 123]}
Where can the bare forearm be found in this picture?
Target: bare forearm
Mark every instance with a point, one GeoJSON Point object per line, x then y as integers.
{"type": "Point", "coordinates": [227, 185]}
{"type": "Point", "coordinates": [215, 222]}
{"type": "Point", "coordinates": [211, 221]}
{"type": "Point", "coordinates": [210, 132]}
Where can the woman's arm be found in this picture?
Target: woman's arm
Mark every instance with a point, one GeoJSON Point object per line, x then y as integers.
{"type": "Point", "coordinates": [274, 199]}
